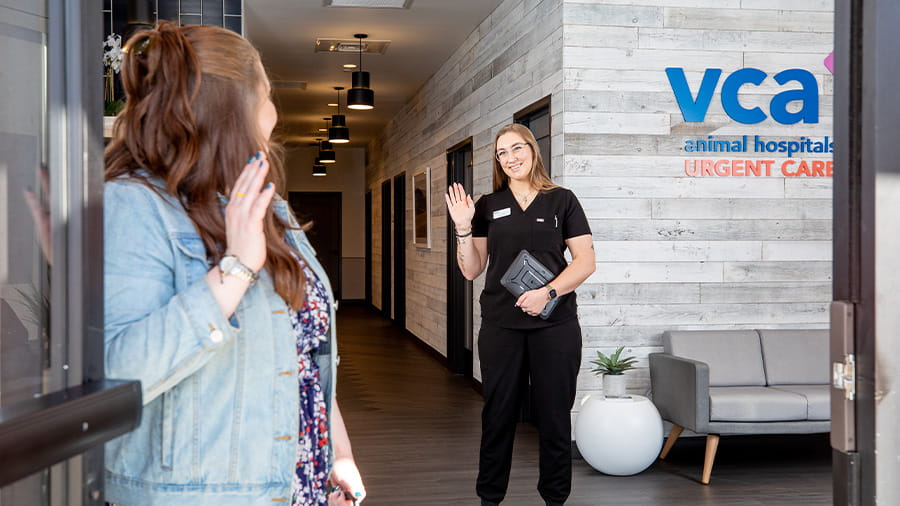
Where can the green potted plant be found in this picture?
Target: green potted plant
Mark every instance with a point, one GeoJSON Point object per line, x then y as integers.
{"type": "Point", "coordinates": [613, 368]}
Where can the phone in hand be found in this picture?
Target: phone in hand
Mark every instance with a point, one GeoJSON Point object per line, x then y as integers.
{"type": "Point", "coordinates": [348, 495]}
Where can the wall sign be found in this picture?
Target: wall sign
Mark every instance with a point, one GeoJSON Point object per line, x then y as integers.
{"type": "Point", "coordinates": [694, 106]}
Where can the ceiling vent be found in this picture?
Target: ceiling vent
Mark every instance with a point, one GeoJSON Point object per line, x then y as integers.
{"type": "Point", "coordinates": [371, 4]}
{"type": "Point", "coordinates": [328, 45]}
{"type": "Point", "coordinates": [289, 85]}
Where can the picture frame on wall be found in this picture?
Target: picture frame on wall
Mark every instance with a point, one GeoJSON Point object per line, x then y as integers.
{"type": "Point", "coordinates": [421, 202]}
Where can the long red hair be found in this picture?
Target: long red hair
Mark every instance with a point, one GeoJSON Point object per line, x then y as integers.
{"type": "Point", "coordinates": [190, 118]}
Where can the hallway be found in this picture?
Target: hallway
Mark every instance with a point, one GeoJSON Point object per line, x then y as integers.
{"type": "Point", "coordinates": [415, 432]}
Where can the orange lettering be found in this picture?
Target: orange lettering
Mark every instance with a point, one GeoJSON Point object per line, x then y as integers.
{"type": "Point", "coordinates": [690, 167]}
{"type": "Point", "coordinates": [722, 168]}
{"type": "Point", "coordinates": [818, 166]}
{"type": "Point", "coordinates": [784, 168]}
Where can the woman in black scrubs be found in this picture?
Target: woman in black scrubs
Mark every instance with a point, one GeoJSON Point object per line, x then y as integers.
{"type": "Point", "coordinates": [525, 211]}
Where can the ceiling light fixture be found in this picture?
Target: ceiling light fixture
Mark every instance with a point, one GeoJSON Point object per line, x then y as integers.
{"type": "Point", "coordinates": [339, 133]}
{"type": "Point", "coordinates": [326, 151]}
{"type": "Point", "coordinates": [319, 170]}
{"type": "Point", "coordinates": [360, 96]}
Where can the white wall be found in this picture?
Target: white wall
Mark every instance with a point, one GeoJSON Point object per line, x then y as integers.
{"type": "Point", "coordinates": [346, 175]}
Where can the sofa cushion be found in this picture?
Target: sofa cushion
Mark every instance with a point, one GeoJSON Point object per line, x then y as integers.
{"type": "Point", "coordinates": [755, 404]}
{"type": "Point", "coordinates": [818, 399]}
{"type": "Point", "coordinates": [795, 357]}
{"type": "Point", "coordinates": [734, 356]}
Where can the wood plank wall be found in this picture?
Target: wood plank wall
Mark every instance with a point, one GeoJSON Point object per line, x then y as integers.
{"type": "Point", "coordinates": [691, 252]}
{"type": "Point", "coordinates": [672, 251]}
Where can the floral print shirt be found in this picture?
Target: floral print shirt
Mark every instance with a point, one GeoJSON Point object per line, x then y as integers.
{"type": "Point", "coordinates": [311, 324]}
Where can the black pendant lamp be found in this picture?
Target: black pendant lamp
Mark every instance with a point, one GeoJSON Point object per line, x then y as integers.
{"type": "Point", "coordinates": [326, 152]}
{"type": "Point", "coordinates": [360, 96]}
{"type": "Point", "coordinates": [339, 133]}
{"type": "Point", "coordinates": [318, 168]}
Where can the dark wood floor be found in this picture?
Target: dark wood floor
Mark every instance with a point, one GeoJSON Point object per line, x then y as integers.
{"type": "Point", "coordinates": [415, 431]}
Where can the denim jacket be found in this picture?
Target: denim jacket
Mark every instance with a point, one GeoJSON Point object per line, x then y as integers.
{"type": "Point", "coordinates": [221, 400]}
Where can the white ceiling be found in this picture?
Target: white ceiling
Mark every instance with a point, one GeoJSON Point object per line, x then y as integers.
{"type": "Point", "coordinates": [422, 38]}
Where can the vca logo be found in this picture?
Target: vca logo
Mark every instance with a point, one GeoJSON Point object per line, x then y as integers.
{"type": "Point", "coordinates": [694, 106]}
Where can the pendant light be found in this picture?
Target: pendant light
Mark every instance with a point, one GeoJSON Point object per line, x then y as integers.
{"type": "Point", "coordinates": [360, 96]}
{"type": "Point", "coordinates": [319, 170]}
{"type": "Point", "coordinates": [326, 152]}
{"type": "Point", "coordinates": [326, 149]}
{"type": "Point", "coordinates": [339, 133]}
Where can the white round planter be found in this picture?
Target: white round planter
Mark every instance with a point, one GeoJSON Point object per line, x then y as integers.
{"type": "Point", "coordinates": [620, 437]}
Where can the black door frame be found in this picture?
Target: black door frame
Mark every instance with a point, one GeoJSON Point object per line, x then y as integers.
{"type": "Point", "coordinates": [386, 206]}
{"type": "Point", "coordinates": [368, 232]}
{"type": "Point", "coordinates": [459, 289]}
{"type": "Point", "coordinates": [400, 250]}
{"type": "Point", "coordinates": [866, 129]}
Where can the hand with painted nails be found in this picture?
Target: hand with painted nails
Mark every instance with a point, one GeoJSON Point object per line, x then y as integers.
{"type": "Point", "coordinates": [244, 214]}
{"type": "Point", "coordinates": [345, 475]}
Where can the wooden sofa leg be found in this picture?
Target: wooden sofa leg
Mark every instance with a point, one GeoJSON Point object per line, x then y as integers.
{"type": "Point", "coordinates": [712, 443]}
{"type": "Point", "coordinates": [670, 441]}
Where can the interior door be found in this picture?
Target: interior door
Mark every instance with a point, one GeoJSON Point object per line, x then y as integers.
{"type": "Point", "coordinates": [386, 249]}
{"type": "Point", "coordinates": [323, 211]}
{"type": "Point", "coordinates": [400, 250]}
{"type": "Point", "coordinates": [460, 340]}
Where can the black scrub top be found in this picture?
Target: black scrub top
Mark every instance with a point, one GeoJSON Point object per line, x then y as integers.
{"type": "Point", "coordinates": [542, 228]}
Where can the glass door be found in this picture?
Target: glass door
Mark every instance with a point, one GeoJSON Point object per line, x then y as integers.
{"type": "Point", "coordinates": [56, 409]}
{"type": "Point", "coordinates": [25, 251]}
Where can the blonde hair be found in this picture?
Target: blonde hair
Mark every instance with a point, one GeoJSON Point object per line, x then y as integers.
{"type": "Point", "coordinates": [538, 178]}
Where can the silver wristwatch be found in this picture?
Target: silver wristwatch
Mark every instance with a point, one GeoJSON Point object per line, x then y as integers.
{"type": "Point", "coordinates": [229, 265]}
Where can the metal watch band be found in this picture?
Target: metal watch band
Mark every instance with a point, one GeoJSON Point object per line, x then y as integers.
{"type": "Point", "coordinates": [230, 265]}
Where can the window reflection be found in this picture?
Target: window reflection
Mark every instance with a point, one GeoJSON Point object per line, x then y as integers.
{"type": "Point", "coordinates": [24, 222]}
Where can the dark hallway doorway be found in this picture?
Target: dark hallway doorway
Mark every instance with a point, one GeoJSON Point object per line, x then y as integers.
{"type": "Point", "coordinates": [368, 233]}
{"type": "Point", "coordinates": [400, 250]}
{"type": "Point", "coordinates": [323, 209]}
{"type": "Point", "coordinates": [459, 290]}
{"type": "Point", "coordinates": [386, 205]}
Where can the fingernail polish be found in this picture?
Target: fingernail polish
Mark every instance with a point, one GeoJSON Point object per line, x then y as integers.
{"type": "Point", "coordinates": [268, 186]}
{"type": "Point", "coordinates": [251, 159]}
{"type": "Point", "coordinates": [358, 494]}
{"type": "Point", "coordinates": [259, 154]}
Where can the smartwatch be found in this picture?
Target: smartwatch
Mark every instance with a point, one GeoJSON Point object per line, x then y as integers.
{"type": "Point", "coordinates": [551, 292]}
{"type": "Point", "coordinates": [229, 265]}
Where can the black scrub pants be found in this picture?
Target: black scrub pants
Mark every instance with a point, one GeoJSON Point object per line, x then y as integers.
{"type": "Point", "coordinates": [552, 357]}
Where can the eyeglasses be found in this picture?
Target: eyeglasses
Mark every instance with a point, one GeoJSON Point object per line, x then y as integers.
{"type": "Point", "coordinates": [516, 150]}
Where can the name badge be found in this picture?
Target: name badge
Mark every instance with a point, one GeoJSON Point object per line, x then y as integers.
{"type": "Point", "coordinates": [500, 213]}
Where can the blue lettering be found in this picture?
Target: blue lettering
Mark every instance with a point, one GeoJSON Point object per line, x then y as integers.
{"type": "Point", "coordinates": [730, 89]}
{"type": "Point", "coordinates": [809, 95]}
{"type": "Point", "coordinates": [693, 109]}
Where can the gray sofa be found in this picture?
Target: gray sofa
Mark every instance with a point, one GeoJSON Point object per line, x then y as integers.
{"type": "Point", "coordinates": [723, 382]}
